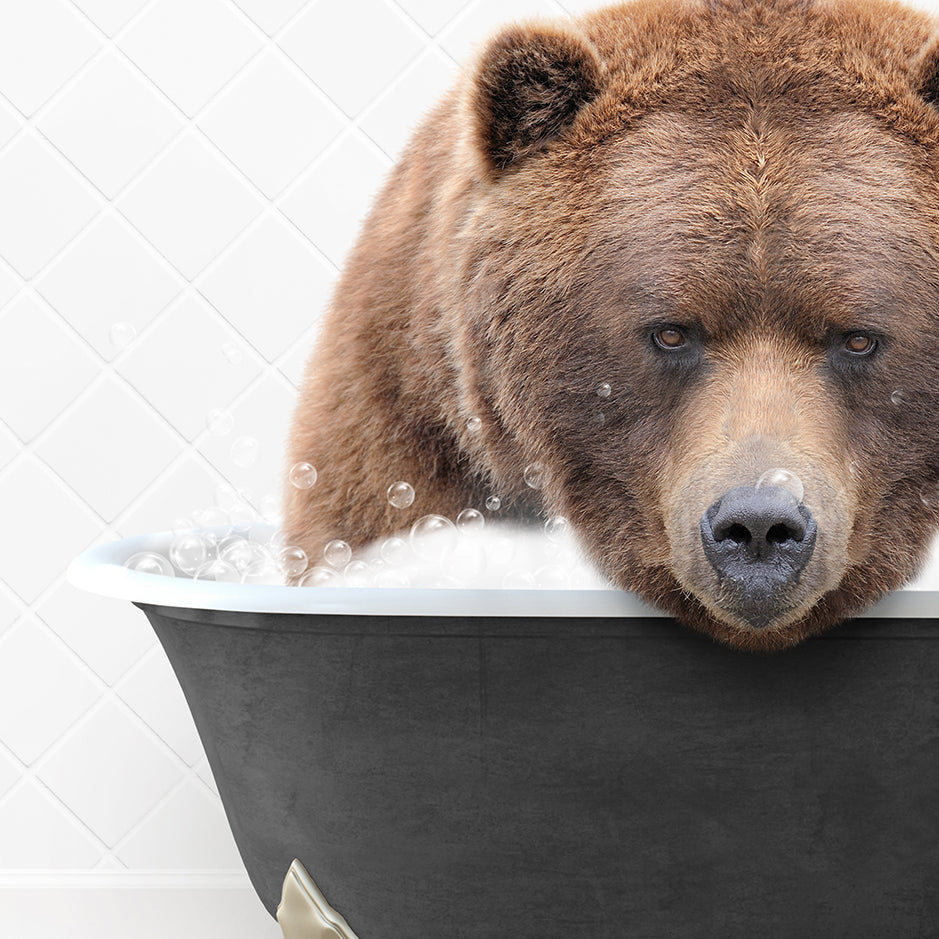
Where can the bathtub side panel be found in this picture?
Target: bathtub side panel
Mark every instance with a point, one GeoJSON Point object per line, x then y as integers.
{"type": "Point", "coordinates": [437, 783]}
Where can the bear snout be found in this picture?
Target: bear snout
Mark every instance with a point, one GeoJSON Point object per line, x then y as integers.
{"type": "Point", "coordinates": [758, 540]}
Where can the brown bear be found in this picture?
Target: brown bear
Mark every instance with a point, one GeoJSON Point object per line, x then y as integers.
{"type": "Point", "coordinates": [660, 250]}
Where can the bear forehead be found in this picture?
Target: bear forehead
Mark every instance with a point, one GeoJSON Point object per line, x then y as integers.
{"type": "Point", "coordinates": [754, 161]}
{"type": "Point", "coordinates": [819, 225]}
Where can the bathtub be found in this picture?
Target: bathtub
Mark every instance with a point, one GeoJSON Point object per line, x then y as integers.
{"type": "Point", "coordinates": [543, 764]}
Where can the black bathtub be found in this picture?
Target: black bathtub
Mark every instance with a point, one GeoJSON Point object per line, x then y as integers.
{"type": "Point", "coordinates": [550, 764]}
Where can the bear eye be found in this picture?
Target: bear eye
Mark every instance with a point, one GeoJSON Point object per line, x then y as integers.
{"type": "Point", "coordinates": [669, 338]}
{"type": "Point", "coordinates": [860, 344]}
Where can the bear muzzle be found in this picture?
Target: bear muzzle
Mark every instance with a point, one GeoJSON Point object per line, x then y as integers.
{"type": "Point", "coordinates": [758, 540]}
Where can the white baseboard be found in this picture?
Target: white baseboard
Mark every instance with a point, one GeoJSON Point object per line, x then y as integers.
{"type": "Point", "coordinates": [118, 905]}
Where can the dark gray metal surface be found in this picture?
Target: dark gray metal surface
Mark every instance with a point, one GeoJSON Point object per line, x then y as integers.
{"type": "Point", "coordinates": [544, 779]}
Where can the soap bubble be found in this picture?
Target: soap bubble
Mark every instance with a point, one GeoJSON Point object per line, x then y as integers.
{"type": "Point", "coordinates": [534, 475]}
{"type": "Point", "coordinates": [557, 527]}
{"type": "Point", "coordinates": [244, 451]}
{"type": "Point", "coordinates": [394, 550]}
{"type": "Point", "coordinates": [219, 422]}
{"type": "Point", "coordinates": [225, 496]}
{"type": "Point", "coordinates": [262, 571]}
{"type": "Point", "coordinates": [212, 518]}
{"type": "Point", "coordinates": [277, 541]}
{"type": "Point", "coordinates": [474, 424]}
{"type": "Point", "coordinates": [401, 495]}
{"type": "Point", "coordinates": [553, 577]}
{"type": "Point", "coordinates": [242, 516]}
{"type": "Point", "coordinates": [337, 554]}
{"type": "Point", "coordinates": [604, 390]}
{"type": "Point", "coordinates": [270, 508]}
{"type": "Point", "coordinates": [232, 352]}
{"type": "Point", "coordinates": [211, 541]}
{"type": "Point", "coordinates": [321, 577]}
{"type": "Point", "coordinates": [470, 521]}
{"type": "Point", "coordinates": [356, 574]}
{"type": "Point", "coordinates": [219, 571]}
{"type": "Point", "coordinates": [518, 580]}
{"type": "Point", "coordinates": [149, 562]}
{"type": "Point", "coordinates": [783, 478]}
{"type": "Point", "coordinates": [122, 335]}
{"type": "Point", "coordinates": [187, 552]}
{"type": "Point", "coordinates": [898, 399]}
{"type": "Point", "coordinates": [444, 532]}
{"type": "Point", "coordinates": [392, 578]}
{"type": "Point", "coordinates": [239, 553]}
{"type": "Point", "coordinates": [182, 525]}
{"type": "Point", "coordinates": [302, 475]}
{"type": "Point", "coordinates": [293, 560]}
{"type": "Point", "coordinates": [493, 503]}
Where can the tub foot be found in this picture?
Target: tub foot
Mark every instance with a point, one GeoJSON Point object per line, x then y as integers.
{"type": "Point", "coordinates": [303, 912]}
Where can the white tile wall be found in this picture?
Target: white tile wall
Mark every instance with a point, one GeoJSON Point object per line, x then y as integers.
{"type": "Point", "coordinates": [196, 170]}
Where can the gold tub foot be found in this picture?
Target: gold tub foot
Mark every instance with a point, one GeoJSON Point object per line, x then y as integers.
{"type": "Point", "coordinates": [303, 912]}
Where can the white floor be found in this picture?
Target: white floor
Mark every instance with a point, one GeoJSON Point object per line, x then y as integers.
{"type": "Point", "coordinates": [119, 912]}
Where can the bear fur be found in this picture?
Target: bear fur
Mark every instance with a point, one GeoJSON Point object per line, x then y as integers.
{"type": "Point", "coordinates": [759, 178]}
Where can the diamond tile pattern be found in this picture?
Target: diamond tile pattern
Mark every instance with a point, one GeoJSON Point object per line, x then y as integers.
{"type": "Point", "coordinates": [190, 204]}
{"type": "Point", "coordinates": [108, 275]}
{"type": "Point", "coordinates": [333, 38]}
{"type": "Point", "coordinates": [34, 346]}
{"type": "Point", "coordinates": [44, 204]}
{"type": "Point", "coordinates": [110, 123]}
{"type": "Point", "coordinates": [197, 170]}
{"type": "Point", "coordinates": [42, 43]}
{"type": "Point", "coordinates": [190, 48]}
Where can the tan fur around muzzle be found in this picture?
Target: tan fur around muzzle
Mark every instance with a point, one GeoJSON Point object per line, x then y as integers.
{"type": "Point", "coordinates": [764, 406]}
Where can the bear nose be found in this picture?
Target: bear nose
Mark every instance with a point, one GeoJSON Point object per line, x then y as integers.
{"type": "Point", "coordinates": [758, 541]}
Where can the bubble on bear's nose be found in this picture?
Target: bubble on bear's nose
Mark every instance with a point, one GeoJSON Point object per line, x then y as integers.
{"type": "Point", "coordinates": [556, 528]}
{"type": "Point", "coordinates": [217, 571]}
{"type": "Point", "coordinates": [302, 475]}
{"type": "Point", "coordinates": [778, 476]}
{"type": "Point", "coordinates": [604, 390]}
{"type": "Point", "coordinates": [337, 554]}
{"type": "Point", "coordinates": [219, 422]}
{"type": "Point", "coordinates": [188, 552]}
{"type": "Point", "coordinates": [898, 399]}
{"type": "Point", "coordinates": [244, 451]}
{"type": "Point", "coordinates": [470, 521]}
{"type": "Point", "coordinates": [474, 424]}
{"type": "Point", "coordinates": [394, 550]}
{"type": "Point", "coordinates": [122, 335]}
{"type": "Point", "coordinates": [534, 475]}
{"type": "Point", "coordinates": [401, 495]}
{"type": "Point", "coordinates": [321, 577]}
{"type": "Point", "coordinates": [293, 560]}
{"type": "Point", "coordinates": [493, 503]}
{"type": "Point", "coordinates": [149, 562]}
{"type": "Point", "coordinates": [433, 536]}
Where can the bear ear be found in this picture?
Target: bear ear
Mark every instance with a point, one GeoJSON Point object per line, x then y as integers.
{"type": "Point", "coordinates": [528, 85]}
{"type": "Point", "coordinates": [924, 72]}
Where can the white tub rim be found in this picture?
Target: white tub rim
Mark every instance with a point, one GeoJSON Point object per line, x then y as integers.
{"type": "Point", "coordinates": [100, 570]}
